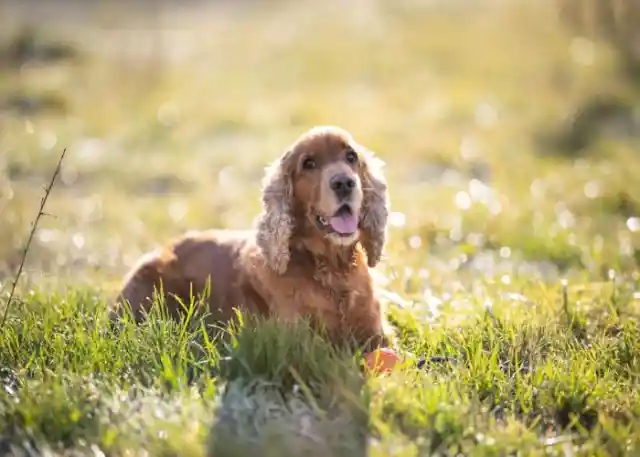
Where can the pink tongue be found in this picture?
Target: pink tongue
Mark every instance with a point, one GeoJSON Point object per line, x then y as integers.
{"type": "Point", "coordinates": [344, 224]}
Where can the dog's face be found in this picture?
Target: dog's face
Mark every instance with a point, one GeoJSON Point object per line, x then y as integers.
{"type": "Point", "coordinates": [327, 188]}
{"type": "Point", "coordinates": [326, 185]}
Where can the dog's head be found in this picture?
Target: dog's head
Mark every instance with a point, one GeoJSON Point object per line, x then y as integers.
{"type": "Point", "coordinates": [326, 185]}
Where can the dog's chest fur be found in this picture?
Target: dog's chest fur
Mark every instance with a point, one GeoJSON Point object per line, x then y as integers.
{"type": "Point", "coordinates": [340, 299]}
{"type": "Point", "coordinates": [337, 295]}
{"type": "Point", "coordinates": [328, 292]}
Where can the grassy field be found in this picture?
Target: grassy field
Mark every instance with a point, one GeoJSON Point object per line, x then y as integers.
{"type": "Point", "coordinates": [511, 144]}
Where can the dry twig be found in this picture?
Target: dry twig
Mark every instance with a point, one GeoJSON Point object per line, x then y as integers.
{"type": "Point", "coordinates": [41, 213]}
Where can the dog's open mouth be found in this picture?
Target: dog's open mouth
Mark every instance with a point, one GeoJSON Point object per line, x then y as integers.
{"type": "Point", "coordinates": [343, 222]}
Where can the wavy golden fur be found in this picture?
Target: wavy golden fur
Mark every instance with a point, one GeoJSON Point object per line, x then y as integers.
{"type": "Point", "coordinates": [323, 225]}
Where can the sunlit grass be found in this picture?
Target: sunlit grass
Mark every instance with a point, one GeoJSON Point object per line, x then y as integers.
{"type": "Point", "coordinates": [520, 376]}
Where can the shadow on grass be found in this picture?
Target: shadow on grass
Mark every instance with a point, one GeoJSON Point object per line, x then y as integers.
{"type": "Point", "coordinates": [599, 116]}
{"type": "Point", "coordinates": [265, 388]}
{"type": "Point", "coordinates": [289, 392]}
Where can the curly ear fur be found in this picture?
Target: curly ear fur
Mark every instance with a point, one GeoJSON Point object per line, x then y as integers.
{"type": "Point", "coordinates": [375, 208]}
{"type": "Point", "coordinates": [275, 222]}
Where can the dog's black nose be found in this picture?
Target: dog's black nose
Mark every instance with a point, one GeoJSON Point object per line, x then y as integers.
{"type": "Point", "coordinates": [342, 185]}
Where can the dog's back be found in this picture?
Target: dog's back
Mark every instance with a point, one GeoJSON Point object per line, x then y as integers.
{"type": "Point", "coordinates": [196, 262]}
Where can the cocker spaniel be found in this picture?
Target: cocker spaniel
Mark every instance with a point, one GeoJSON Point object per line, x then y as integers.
{"type": "Point", "coordinates": [322, 226]}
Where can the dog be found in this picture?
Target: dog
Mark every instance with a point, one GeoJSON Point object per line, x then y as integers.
{"type": "Point", "coordinates": [323, 225]}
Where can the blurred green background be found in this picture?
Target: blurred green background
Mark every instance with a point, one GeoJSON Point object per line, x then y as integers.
{"type": "Point", "coordinates": [510, 128]}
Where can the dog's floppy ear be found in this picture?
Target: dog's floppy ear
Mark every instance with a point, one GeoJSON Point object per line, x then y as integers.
{"type": "Point", "coordinates": [375, 207]}
{"type": "Point", "coordinates": [275, 222]}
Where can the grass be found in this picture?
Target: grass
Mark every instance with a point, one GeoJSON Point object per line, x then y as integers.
{"type": "Point", "coordinates": [547, 377]}
{"type": "Point", "coordinates": [511, 147]}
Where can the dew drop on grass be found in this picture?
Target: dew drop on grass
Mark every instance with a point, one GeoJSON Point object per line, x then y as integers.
{"type": "Point", "coordinates": [96, 451]}
{"type": "Point", "coordinates": [633, 224]}
{"type": "Point", "coordinates": [592, 189]}
{"type": "Point", "coordinates": [469, 148]}
{"type": "Point", "coordinates": [78, 240]}
{"type": "Point", "coordinates": [227, 178]}
{"type": "Point", "coordinates": [177, 210]}
{"type": "Point", "coordinates": [495, 207]}
{"type": "Point", "coordinates": [48, 140]}
{"type": "Point", "coordinates": [455, 234]}
{"type": "Point", "coordinates": [479, 191]}
{"type": "Point", "coordinates": [486, 115]}
{"type": "Point", "coordinates": [69, 175]}
{"type": "Point", "coordinates": [463, 200]}
{"type": "Point", "coordinates": [47, 235]}
{"type": "Point", "coordinates": [537, 188]}
{"type": "Point", "coordinates": [397, 219]}
{"type": "Point", "coordinates": [90, 150]}
{"type": "Point", "coordinates": [475, 239]}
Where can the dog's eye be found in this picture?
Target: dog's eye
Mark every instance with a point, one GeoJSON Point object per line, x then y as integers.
{"type": "Point", "coordinates": [308, 163]}
{"type": "Point", "coordinates": [352, 157]}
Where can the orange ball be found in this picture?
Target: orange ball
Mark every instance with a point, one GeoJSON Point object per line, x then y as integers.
{"type": "Point", "coordinates": [381, 360]}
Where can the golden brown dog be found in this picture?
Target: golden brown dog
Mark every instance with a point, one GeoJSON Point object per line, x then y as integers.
{"type": "Point", "coordinates": [323, 224]}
